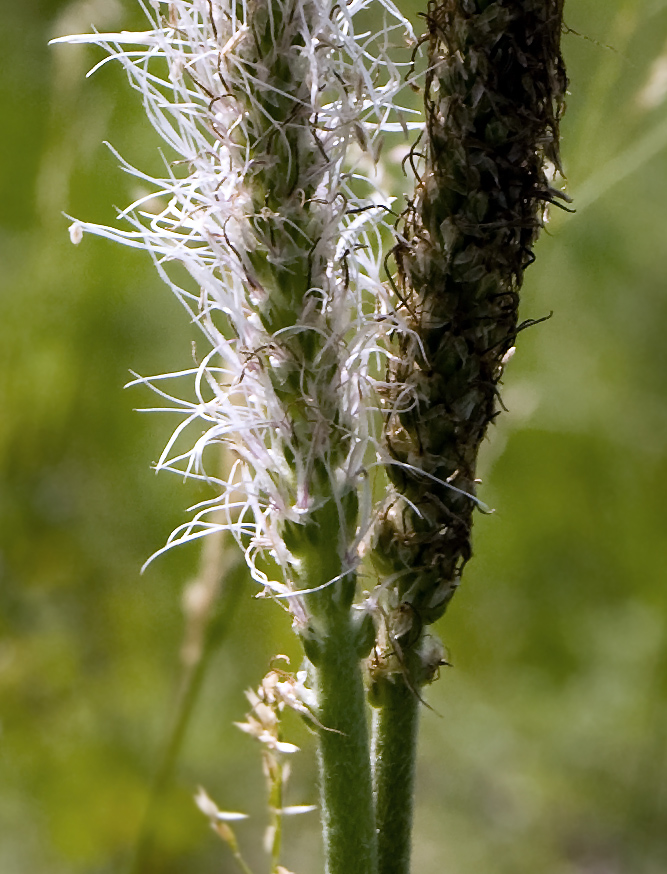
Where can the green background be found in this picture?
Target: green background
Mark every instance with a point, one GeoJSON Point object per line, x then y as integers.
{"type": "Point", "coordinates": [546, 747]}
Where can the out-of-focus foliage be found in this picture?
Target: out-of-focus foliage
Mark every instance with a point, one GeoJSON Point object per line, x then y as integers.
{"type": "Point", "coordinates": [547, 751]}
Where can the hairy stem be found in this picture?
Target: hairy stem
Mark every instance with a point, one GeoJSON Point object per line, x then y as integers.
{"type": "Point", "coordinates": [336, 642]}
{"type": "Point", "coordinates": [395, 727]}
{"type": "Point", "coordinates": [345, 778]}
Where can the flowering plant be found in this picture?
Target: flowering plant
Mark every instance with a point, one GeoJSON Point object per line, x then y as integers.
{"type": "Point", "coordinates": [323, 382]}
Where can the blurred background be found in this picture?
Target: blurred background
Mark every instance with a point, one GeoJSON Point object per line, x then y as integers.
{"type": "Point", "coordinates": [546, 749]}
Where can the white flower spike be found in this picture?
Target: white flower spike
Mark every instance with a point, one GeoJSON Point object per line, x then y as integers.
{"type": "Point", "coordinates": [263, 106]}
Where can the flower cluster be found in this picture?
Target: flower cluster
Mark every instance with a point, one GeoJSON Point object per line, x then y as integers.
{"type": "Point", "coordinates": [493, 97]}
{"type": "Point", "coordinates": [263, 106]}
{"type": "Point", "coordinates": [278, 690]}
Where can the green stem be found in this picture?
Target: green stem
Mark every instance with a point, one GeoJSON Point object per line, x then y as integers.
{"type": "Point", "coordinates": [348, 818]}
{"type": "Point", "coordinates": [218, 623]}
{"type": "Point", "coordinates": [335, 641]}
{"type": "Point", "coordinates": [274, 770]}
{"type": "Point", "coordinates": [395, 727]}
